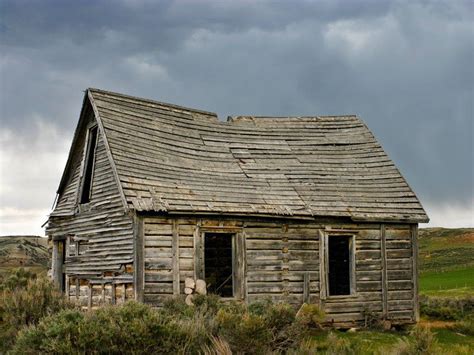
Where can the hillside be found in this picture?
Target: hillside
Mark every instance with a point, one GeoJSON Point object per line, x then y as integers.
{"type": "Point", "coordinates": [446, 259]}
{"type": "Point", "coordinates": [23, 251]}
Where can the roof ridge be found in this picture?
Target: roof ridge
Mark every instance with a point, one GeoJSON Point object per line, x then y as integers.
{"type": "Point", "coordinates": [113, 93]}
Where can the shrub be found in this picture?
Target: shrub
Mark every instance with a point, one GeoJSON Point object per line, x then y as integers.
{"type": "Point", "coordinates": [22, 306]}
{"type": "Point", "coordinates": [129, 328]}
{"type": "Point", "coordinates": [465, 326]}
{"type": "Point", "coordinates": [244, 331]}
{"type": "Point", "coordinates": [447, 308]}
{"type": "Point", "coordinates": [15, 279]}
{"type": "Point", "coordinates": [422, 343]}
{"type": "Point", "coordinates": [310, 315]}
{"type": "Point", "coordinates": [372, 319]}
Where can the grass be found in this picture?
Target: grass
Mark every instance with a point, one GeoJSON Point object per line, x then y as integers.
{"type": "Point", "coordinates": [450, 283]}
{"type": "Point", "coordinates": [446, 260]}
{"type": "Point", "coordinates": [378, 342]}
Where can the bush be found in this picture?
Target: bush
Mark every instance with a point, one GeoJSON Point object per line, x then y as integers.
{"type": "Point", "coordinates": [422, 343]}
{"type": "Point", "coordinates": [22, 305]}
{"type": "Point", "coordinates": [310, 316]}
{"type": "Point", "coordinates": [244, 331]}
{"type": "Point", "coordinates": [465, 326]}
{"type": "Point", "coordinates": [16, 279]}
{"type": "Point", "coordinates": [447, 308]}
{"type": "Point", "coordinates": [130, 328]}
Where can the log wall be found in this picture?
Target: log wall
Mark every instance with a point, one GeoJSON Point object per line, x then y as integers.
{"type": "Point", "coordinates": [282, 262]}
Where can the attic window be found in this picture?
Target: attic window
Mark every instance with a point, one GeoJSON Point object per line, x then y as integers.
{"type": "Point", "coordinates": [89, 165]}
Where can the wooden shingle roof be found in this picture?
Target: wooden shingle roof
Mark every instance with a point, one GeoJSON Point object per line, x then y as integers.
{"type": "Point", "coordinates": [178, 160]}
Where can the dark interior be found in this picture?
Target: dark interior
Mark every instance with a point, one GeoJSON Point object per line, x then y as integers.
{"type": "Point", "coordinates": [339, 265]}
{"type": "Point", "coordinates": [218, 263]}
{"type": "Point", "coordinates": [87, 178]}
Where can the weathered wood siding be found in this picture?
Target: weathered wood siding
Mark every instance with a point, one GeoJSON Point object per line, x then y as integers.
{"type": "Point", "coordinates": [99, 235]}
{"type": "Point", "coordinates": [282, 262]}
{"type": "Point", "coordinates": [400, 281]}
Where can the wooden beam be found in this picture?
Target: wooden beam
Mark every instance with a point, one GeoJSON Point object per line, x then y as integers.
{"type": "Point", "coordinates": [414, 239]}
{"type": "Point", "coordinates": [306, 289]}
{"type": "Point", "coordinates": [175, 262]}
{"type": "Point", "coordinates": [322, 268]}
{"type": "Point", "coordinates": [198, 252]}
{"type": "Point", "coordinates": [138, 272]}
{"type": "Point", "coordinates": [383, 256]}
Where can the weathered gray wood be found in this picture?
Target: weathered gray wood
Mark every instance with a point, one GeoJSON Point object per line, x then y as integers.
{"type": "Point", "coordinates": [175, 251]}
{"type": "Point", "coordinates": [322, 267]}
{"type": "Point", "coordinates": [306, 288]}
{"type": "Point", "coordinates": [139, 262]}
{"type": "Point", "coordinates": [89, 297]}
{"type": "Point", "coordinates": [414, 236]}
{"type": "Point", "coordinates": [109, 153]}
{"type": "Point", "coordinates": [383, 256]}
{"type": "Point", "coordinates": [198, 252]}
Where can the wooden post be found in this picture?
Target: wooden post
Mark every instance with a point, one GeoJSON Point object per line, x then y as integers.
{"type": "Point", "coordinates": [239, 262]}
{"type": "Point", "coordinates": [322, 268]}
{"type": "Point", "coordinates": [175, 251]}
{"type": "Point", "coordinates": [138, 272]}
{"type": "Point", "coordinates": [383, 257]}
{"type": "Point", "coordinates": [113, 301]}
{"type": "Point", "coordinates": [57, 263]}
{"type": "Point", "coordinates": [198, 252]}
{"type": "Point", "coordinates": [306, 285]}
{"type": "Point", "coordinates": [414, 240]}
{"type": "Point", "coordinates": [89, 298]}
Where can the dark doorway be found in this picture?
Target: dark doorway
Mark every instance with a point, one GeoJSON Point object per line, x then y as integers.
{"type": "Point", "coordinates": [218, 263]}
{"type": "Point", "coordinates": [339, 265]}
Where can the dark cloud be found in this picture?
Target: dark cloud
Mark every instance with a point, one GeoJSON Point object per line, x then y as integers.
{"type": "Point", "coordinates": [404, 67]}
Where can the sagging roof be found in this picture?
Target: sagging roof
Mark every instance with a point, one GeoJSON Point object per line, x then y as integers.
{"type": "Point", "coordinates": [178, 160]}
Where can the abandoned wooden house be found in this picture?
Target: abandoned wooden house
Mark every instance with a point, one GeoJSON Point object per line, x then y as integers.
{"type": "Point", "coordinates": [298, 209]}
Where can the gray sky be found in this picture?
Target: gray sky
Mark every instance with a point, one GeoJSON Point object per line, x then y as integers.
{"type": "Point", "coordinates": [405, 67]}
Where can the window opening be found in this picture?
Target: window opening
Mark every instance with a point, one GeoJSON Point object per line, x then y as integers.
{"type": "Point", "coordinates": [218, 263]}
{"type": "Point", "coordinates": [340, 254]}
{"type": "Point", "coordinates": [89, 166]}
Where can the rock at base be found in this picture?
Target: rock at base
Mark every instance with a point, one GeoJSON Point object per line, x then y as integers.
{"type": "Point", "coordinates": [189, 300]}
{"type": "Point", "coordinates": [201, 287]}
{"type": "Point", "coordinates": [189, 282]}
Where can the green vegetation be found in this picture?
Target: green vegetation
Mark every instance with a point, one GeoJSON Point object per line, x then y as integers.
{"type": "Point", "coordinates": [25, 299]}
{"type": "Point", "coordinates": [446, 258]}
{"type": "Point", "coordinates": [450, 283]}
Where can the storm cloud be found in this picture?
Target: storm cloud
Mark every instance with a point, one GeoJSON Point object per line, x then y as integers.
{"type": "Point", "coordinates": [405, 67]}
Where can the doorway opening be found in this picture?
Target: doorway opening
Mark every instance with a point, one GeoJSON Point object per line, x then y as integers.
{"type": "Point", "coordinates": [219, 263]}
{"type": "Point", "coordinates": [340, 265]}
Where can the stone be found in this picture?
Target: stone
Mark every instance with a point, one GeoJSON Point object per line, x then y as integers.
{"type": "Point", "coordinates": [201, 287]}
{"type": "Point", "coordinates": [352, 330]}
{"type": "Point", "coordinates": [188, 290]}
{"type": "Point", "coordinates": [189, 282]}
{"type": "Point", "coordinates": [189, 300]}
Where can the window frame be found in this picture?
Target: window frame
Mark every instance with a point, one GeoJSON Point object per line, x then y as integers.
{"type": "Point", "coordinates": [324, 261]}
{"type": "Point", "coordinates": [238, 258]}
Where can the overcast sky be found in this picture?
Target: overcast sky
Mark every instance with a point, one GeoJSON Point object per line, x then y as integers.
{"type": "Point", "coordinates": [405, 67]}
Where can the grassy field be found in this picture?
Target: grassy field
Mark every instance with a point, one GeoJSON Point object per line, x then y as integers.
{"type": "Point", "coordinates": [446, 261]}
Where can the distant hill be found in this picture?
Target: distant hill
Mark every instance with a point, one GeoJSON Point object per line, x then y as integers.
{"type": "Point", "coordinates": [23, 251]}
{"type": "Point", "coordinates": [442, 249]}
